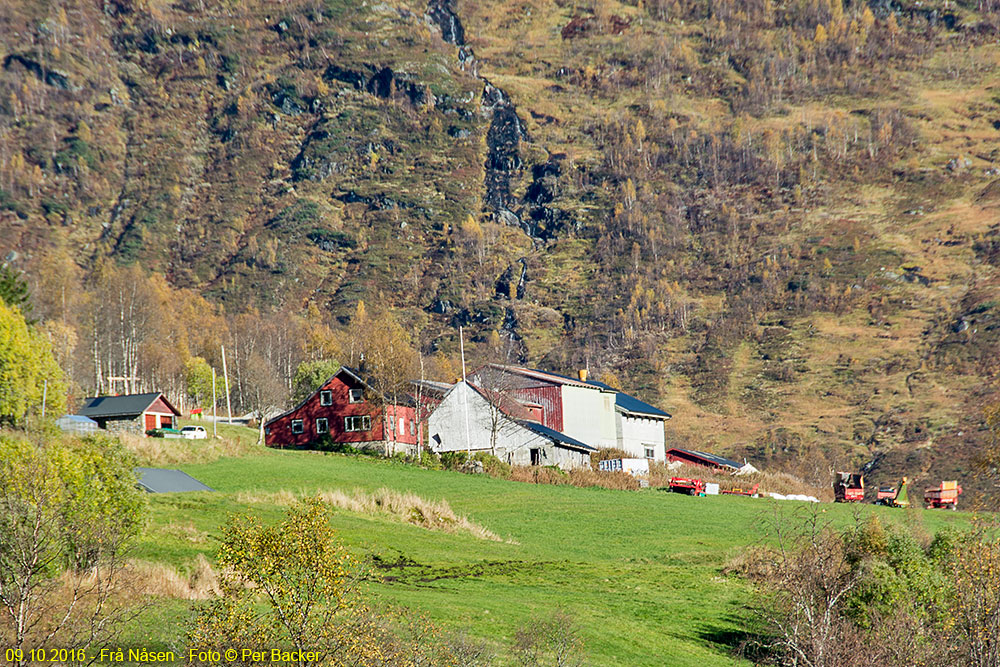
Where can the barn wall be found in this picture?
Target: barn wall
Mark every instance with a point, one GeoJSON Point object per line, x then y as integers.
{"type": "Point", "coordinates": [446, 429]}
{"type": "Point", "coordinates": [549, 397]}
{"type": "Point", "coordinates": [589, 416]}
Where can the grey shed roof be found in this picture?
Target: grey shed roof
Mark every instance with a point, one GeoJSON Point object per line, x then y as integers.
{"type": "Point", "coordinates": [714, 459]}
{"type": "Point", "coordinates": [632, 404]}
{"type": "Point", "coordinates": [115, 406]}
{"type": "Point", "coordinates": [165, 480]}
{"type": "Point", "coordinates": [559, 438]}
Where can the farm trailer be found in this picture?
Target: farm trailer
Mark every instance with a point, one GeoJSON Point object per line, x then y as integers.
{"type": "Point", "coordinates": [848, 487]}
{"type": "Point", "coordinates": [943, 496]}
{"type": "Point", "coordinates": [893, 496]}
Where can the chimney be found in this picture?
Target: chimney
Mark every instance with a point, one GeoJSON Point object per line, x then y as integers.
{"type": "Point", "coordinates": [583, 374]}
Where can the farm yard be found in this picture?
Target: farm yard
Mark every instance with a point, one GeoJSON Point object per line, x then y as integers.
{"type": "Point", "coordinates": [642, 574]}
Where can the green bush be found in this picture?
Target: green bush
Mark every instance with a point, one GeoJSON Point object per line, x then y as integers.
{"type": "Point", "coordinates": [326, 444]}
{"type": "Point", "coordinates": [454, 460]}
{"type": "Point", "coordinates": [429, 460]}
{"type": "Point", "coordinates": [493, 466]}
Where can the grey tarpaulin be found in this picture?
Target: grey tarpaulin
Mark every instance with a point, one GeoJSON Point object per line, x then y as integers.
{"type": "Point", "coordinates": [165, 480]}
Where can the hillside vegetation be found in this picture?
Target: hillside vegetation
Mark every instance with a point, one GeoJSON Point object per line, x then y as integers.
{"type": "Point", "coordinates": [775, 219]}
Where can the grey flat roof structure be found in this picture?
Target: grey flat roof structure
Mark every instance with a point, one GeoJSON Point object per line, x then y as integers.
{"type": "Point", "coordinates": [165, 480]}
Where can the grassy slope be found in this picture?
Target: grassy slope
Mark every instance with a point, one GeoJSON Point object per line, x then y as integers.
{"type": "Point", "coordinates": [641, 572]}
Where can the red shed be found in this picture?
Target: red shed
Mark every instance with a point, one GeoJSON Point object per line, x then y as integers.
{"type": "Point", "coordinates": [343, 410]}
{"type": "Point", "coordinates": [134, 413]}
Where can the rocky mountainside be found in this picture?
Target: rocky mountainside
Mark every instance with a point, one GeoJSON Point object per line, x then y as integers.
{"type": "Point", "coordinates": [777, 220]}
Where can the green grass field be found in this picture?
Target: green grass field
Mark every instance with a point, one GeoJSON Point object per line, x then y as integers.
{"type": "Point", "coordinates": [640, 572]}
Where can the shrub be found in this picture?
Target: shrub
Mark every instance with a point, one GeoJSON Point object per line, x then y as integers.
{"type": "Point", "coordinates": [430, 460]}
{"type": "Point", "coordinates": [454, 460]}
{"type": "Point", "coordinates": [69, 509]}
{"type": "Point", "coordinates": [607, 480]}
{"type": "Point", "coordinates": [326, 444]}
{"type": "Point", "coordinates": [492, 466]}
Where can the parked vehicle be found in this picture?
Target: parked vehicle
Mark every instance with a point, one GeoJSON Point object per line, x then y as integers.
{"type": "Point", "coordinates": [164, 433]}
{"type": "Point", "coordinates": [740, 491]}
{"type": "Point", "coordinates": [849, 487]}
{"type": "Point", "coordinates": [692, 487]}
{"type": "Point", "coordinates": [893, 496]}
{"type": "Point", "coordinates": [945, 495]}
{"type": "Point", "coordinates": [194, 432]}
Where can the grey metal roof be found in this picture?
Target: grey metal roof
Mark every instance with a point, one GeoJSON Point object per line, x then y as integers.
{"type": "Point", "coordinates": [118, 406]}
{"type": "Point", "coordinates": [712, 458]}
{"type": "Point", "coordinates": [165, 480]}
{"type": "Point", "coordinates": [559, 438]}
{"type": "Point", "coordinates": [631, 403]}
{"type": "Point", "coordinates": [432, 385]}
{"type": "Point", "coordinates": [545, 376]}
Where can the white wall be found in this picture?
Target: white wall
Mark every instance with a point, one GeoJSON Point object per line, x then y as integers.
{"type": "Point", "coordinates": [589, 416]}
{"type": "Point", "coordinates": [639, 433]}
{"type": "Point", "coordinates": [447, 433]}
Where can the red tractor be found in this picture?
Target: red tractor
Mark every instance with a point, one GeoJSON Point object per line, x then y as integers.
{"type": "Point", "coordinates": [849, 487]}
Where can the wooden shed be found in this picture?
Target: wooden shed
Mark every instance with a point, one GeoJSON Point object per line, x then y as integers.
{"type": "Point", "coordinates": [134, 413]}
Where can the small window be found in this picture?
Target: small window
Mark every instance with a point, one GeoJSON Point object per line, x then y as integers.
{"type": "Point", "coordinates": [326, 397]}
{"type": "Point", "coordinates": [321, 425]}
{"type": "Point", "coordinates": [413, 427]}
{"type": "Point", "coordinates": [296, 426]}
{"type": "Point", "coordinates": [650, 453]}
{"type": "Point", "coordinates": [355, 395]}
{"type": "Point", "coordinates": [358, 423]}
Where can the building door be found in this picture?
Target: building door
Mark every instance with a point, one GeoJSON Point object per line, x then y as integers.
{"type": "Point", "coordinates": [536, 457]}
{"type": "Point", "coordinates": [150, 422]}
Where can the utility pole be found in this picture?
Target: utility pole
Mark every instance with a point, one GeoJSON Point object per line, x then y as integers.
{"type": "Point", "coordinates": [215, 422]}
{"type": "Point", "coordinates": [465, 395]}
{"type": "Point", "coordinates": [225, 376]}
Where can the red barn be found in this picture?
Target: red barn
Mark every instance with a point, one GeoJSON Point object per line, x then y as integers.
{"type": "Point", "coordinates": [342, 409]}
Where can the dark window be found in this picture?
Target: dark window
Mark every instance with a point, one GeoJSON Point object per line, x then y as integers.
{"type": "Point", "coordinates": [413, 427]}
{"type": "Point", "coordinates": [355, 395]}
{"type": "Point", "coordinates": [358, 423]}
{"type": "Point", "coordinates": [321, 425]}
{"type": "Point", "coordinates": [650, 453]}
{"type": "Point", "coordinates": [296, 426]}
{"type": "Point", "coordinates": [536, 458]}
{"type": "Point", "coordinates": [326, 397]}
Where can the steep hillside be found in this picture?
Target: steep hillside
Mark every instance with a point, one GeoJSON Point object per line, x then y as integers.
{"type": "Point", "coordinates": [775, 219]}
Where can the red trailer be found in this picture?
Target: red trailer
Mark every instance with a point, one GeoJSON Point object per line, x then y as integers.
{"type": "Point", "coordinates": [848, 488]}
{"type": "Point", "coordinates": [692, 487]}
{"type": "Point", "coordinates": [945, 495]}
